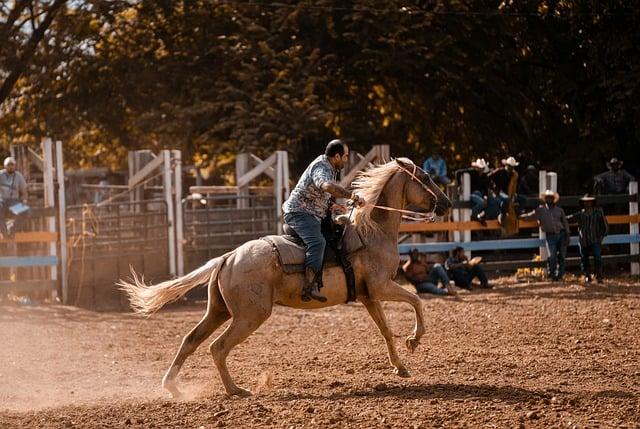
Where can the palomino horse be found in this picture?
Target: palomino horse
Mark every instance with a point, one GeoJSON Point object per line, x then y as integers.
{"type": "Point", "coordinates": [244, 284]}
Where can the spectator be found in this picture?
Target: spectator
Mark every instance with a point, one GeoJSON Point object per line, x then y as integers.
{"type": "Point", "coordinates": [425, 280]}
{"type": "Point", "coordinates": [592, 228]}
{"type": "Point", "coordinates": [437, 168]}
{"type": "Point", "coordinates": [103, 192]}
{"type": "Point", "coordinates": [479, 186]}
{"type": "Point", "coordinates": [463, 272]}
{"type": "Point", "coordinates": [505, 183]}
{"type": "Point", "coordinates": [529, 182]}
{"type": "Point", "coordinates": [554, 223]}
{"type": "Point", "coordinates": [13, 191]}
{"type": "Point", "coordinates": [614, 181]}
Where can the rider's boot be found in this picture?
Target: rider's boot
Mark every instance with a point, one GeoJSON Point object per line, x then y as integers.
{"type": "Point", "coordinates": [311, 288]}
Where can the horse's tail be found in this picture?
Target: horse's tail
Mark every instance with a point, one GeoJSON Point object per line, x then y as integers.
{"type": "Point", "coordinates": [147, 299]}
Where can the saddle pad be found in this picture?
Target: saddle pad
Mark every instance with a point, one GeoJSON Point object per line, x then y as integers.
{"type": "Point", "coordinates": [291, 252]}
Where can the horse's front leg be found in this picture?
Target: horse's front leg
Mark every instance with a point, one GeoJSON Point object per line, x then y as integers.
{"type": "Point", "coordinates": [377, 314]}
{"type": "Point", "coordinates": [392, 291]}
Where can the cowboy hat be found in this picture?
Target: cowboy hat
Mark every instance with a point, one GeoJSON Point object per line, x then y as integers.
{"type": "Point", "coordinates": [550, 193]}
{"type": "Point", "coordinates": [9, 160]}
{"type": "Point", "coordinates": [511, 161]}
{"type": "Point", "coordinates": [480, 164]}
{"type": "Point", "coordinates": [586, 198]}
{"type": "Point", "coordinates": [613, 161]}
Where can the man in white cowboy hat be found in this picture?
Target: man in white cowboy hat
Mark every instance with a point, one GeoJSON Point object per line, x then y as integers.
{"type": "Point", "coordinates": [479, 190]}
{"type": "Point", "coordinates": [592, 228]}
{"type": "Point", "coordinates": [553, 222]}
{"type": "Point", "coordinates": [13, 190]}
{"type": "Point", "coordinates": [504, 181]}
{"type": "Point", "coordinates": [614, 181]}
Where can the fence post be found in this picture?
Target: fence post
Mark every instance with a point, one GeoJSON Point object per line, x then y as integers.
{"type": "Point", "coordinates": [49, 196]}
{"type": "Point", "coordinates": [62, 222]}
{"type": "Point", "coordinates": [242, 166]}
{"type": "Point", "coordinates": [177, 176]}
{"type": "Point", "coordinates": [634, 248]}
{"type": "Point", "coordinates": [168, 197]}
{"type": "Point", "coordinates": [281, 185]}
{"type": "Point", "coordinates": [542, 185]}
{"type": "Point", "coordinates": [466, 213]}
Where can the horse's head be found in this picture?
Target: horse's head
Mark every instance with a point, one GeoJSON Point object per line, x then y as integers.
{"type": "Point", "coordinates": [421, 190]}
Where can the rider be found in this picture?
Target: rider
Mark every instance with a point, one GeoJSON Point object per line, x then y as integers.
{"type": "Point", "coordinates": [308, 205]}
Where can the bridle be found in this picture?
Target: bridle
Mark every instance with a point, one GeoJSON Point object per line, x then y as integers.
{"type": "Point", "coordinates": [409, 214]}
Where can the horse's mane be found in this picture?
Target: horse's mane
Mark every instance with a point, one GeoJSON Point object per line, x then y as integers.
{"type": "Point", "coordinates": [369, 185]}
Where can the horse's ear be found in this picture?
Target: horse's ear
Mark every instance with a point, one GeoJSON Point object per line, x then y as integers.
{"type": "Point", "coordinates": [405, 162]}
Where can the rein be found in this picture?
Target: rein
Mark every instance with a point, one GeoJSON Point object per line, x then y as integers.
{"type": "Point", "coordinates": [409, 214]}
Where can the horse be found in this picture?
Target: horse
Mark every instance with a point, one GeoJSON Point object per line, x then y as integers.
{"type": "Point", "coordinates": [244, 284]}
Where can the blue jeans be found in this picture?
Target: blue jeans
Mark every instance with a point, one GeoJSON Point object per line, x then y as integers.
{"type": "Point", "coordinates": [585, 251]}
{"type": "Point", "coordinates": [478, 203]}
{"type": "Point", "coordinates": [430, 285]}
{"type": "Point", "coordinates": [4, 209]}
{"type": "Point", "coordinates": [557, 249]}
{"type": "Point", "coordinates": [307, 226]}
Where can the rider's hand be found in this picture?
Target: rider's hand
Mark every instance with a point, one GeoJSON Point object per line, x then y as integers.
{"type": "Point", "coordinates": [339, 208]}
{"type": "Point", "coordinates": [358, 201]}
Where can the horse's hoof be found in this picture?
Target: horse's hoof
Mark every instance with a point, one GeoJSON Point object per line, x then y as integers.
{"type": "Point", "coordinates": [175, 393]}
{"type": "Point", "coordinates": [402, 372]}
{"type": "Point", "coordinates": [412, 343]}
{"type": "Point", "coordinates": [240, 392]}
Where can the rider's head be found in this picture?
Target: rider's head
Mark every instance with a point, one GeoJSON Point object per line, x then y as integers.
{"type": "Point", "coordinates": [338, 153]}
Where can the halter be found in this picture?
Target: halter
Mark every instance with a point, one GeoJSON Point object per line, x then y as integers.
{"type": "Point", "coordinates": [409, 214]}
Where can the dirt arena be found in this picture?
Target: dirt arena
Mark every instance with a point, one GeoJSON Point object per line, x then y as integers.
{"type": "Point", "coordinates": [521, 355]}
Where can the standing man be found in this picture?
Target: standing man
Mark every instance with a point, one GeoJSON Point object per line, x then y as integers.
{"type": "Point", "coordinates": [13, 190]}
{"type": "Point", "coordinates": [554, 223]}
{"type": "Point", "coordinates": [614, 181]}
{"type": "Point", "coordinates": [592, 228]}
{"type": "Point", "coordinates": [437, 168]}
{"type": "Point", "coordinates": [425, 280]}
{"type": "Point", "coordinates": [309, 203]}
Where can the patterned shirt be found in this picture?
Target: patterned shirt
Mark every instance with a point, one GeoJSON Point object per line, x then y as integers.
{"type": "Point", "coordinates": [592, 226]}
{"type": "Point", "coordinates": [308, 196]}
{"type": "Point", "coordinates": [12, 186]}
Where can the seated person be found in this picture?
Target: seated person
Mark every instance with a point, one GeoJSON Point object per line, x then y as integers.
{"type": "Point", "coordinates": [462, 272]}
{"type": "Point", "coordinates": [13, 190]}
{"type": "Point", "coordinates": [436, 166]}
{"type": "Point", "coordinates": [425, 280]}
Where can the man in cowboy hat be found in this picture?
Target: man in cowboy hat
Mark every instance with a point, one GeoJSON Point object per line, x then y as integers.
{"type": "Point", "coordinates": [554, 223]}
{"type": "Point", "coordinates": [13, 190]}
{"type": "Point", "coordinates": [592, 228]}
{"type": "Point", "coordinates": [484, 206]}
{"type": "Point", "coordinates": [505, 185]}
{"type": "Point", "coordinates": [614, 181]}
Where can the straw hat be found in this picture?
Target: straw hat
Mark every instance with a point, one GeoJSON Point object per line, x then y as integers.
{"type": "Point", "coordinates": [587, 198]}
{"type": "Point", "coordinates": [9, 160]}
{"type": "Point", "coordinates": [511, 162]}
{"type": "Point", "coordinates": [480, 164]}
{"type": "Point", "coordinates": [550, 193]}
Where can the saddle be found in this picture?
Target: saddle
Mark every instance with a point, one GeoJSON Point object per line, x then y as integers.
{"type": "Point", "coordinates": [342, 241]}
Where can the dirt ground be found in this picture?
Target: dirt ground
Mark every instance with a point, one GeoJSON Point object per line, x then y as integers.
{"type": "Point", "coordinates": [521, 355]}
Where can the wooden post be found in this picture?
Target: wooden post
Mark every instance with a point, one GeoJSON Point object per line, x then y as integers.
{"type": "Point", "coordinates": [242, 167]}
{"type": "Point", "coordinates": [62, 218]}
{"type": "Point", "coordinates": [49, 196]}
{"type": "Point", "coordinates": [466, 213]}
{"type": "Point", "coordinates": [168, 197]}
{"type": "Point", "coordinates": [634, 248]}
{"type": "Point", "coordinates": [177, 176]}
{"type": "Point", "coordinates": [542, 185]}
{"type": "Point", "coordinates": [278, 186]}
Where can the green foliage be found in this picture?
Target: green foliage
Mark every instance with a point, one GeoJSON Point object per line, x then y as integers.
{"type": "Point", "coordinates": [541, 80]}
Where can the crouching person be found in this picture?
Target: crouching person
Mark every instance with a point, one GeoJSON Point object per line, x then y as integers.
{"type": "Point", "coordinates": [426, 280]}
{"type": "Point", "coordinates": [462, 271]}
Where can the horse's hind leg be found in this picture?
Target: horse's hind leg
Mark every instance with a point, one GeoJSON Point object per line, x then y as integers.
{"type": "Point", "coordinates": [249, 307]}
{"type": "Point", "coordinates": [375, 311]}
{"type": "Point", "coordinates": [215, 316]}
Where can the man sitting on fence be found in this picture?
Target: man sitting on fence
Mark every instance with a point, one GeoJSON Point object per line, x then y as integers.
{"type": "Point", "coordinates": [463, 271]}
{"type": "Point", "coordinates": [554, 223]}
{"type": "Point", "coordinates": [592, 228]}
{"type": "Point", "coordinates": [425, 280]}
{"type": "Point", "coordinates": [614, 181]}
{"type": "Point", "coordinates": [13, 197]}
